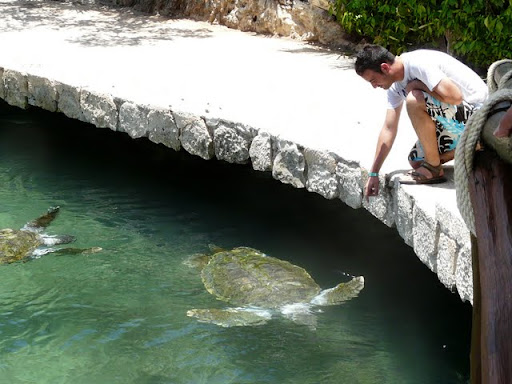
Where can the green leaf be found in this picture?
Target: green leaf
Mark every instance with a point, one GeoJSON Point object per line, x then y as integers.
{"type": "Point", "coordinates": [498, 27]}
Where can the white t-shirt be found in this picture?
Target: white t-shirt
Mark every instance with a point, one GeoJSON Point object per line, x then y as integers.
{"type": "Point", "coordinates": [431, 67]}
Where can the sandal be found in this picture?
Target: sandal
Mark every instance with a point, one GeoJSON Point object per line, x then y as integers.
{"type": "Point", "coordinates": [419, 178]}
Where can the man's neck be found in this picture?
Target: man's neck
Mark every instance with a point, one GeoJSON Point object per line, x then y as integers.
{"type": "Point", "coordinates": [399, 69]}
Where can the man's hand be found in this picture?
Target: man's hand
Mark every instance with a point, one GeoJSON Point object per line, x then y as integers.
{"type": "Point", "coordinates": [372, 187]}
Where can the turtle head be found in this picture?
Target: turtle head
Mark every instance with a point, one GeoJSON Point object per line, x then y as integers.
{"type": "Point", "coordinates": [340, 293]}
{"type": "Point", "coordinates": [199, 260]}
{"type": "Point", "coordinates": [42, 221]}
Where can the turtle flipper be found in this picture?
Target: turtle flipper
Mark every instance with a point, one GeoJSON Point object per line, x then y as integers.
{"type": "Point", "coordinates": [76, 251]}
{"type": "Point", "coordinates": [300, 313]}
{"type": "Point", "coordinates": [340, 293]}
{"type": "Point", "coordinates": [231, 317]}
{"type": "Point", "coordinates": [56, 239]}
{"type": "Point", "coordinates": [44, 220]}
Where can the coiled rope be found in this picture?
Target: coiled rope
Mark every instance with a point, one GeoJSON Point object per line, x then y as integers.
{"type": "Point", "coordinates": [465, 151]}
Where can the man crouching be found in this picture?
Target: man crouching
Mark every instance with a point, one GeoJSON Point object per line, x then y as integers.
{"type": "Point", "coordinates": [440, 94]}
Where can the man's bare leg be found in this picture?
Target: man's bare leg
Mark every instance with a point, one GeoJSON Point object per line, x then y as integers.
{"type": "Point", "coordinates": [425, 130]}
{"type": "Point", "coordinates": [444, 157]}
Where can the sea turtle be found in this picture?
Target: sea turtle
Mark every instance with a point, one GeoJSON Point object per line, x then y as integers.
{"type": "Point", "coordinates": [29, 241]}
{"type": "Point", "coordinates": [258, 285]}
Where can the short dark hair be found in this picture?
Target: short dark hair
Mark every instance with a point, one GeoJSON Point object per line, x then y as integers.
{"type": "Point", "coordinates": [371, 57]}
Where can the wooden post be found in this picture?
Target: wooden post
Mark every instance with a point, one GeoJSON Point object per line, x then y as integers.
{"type": "Point", "coordinates": [490, 187]}
{"type": "Point", "coordinates": [491, 195]}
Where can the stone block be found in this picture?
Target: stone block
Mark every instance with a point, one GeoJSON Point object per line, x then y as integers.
{"type": "Point", "coordinates": [288, 166]}
{"type": "Point", "coordinates": [321, 173]}
{"type": "Point", "coordinates": [382, 205]}
{"type": "Point", "coordinates": [403, 215]}
{"type": "Point", "coordinates": [133, 119]}
{"type": "Point", "coordinates": [260, 152]}
{"type": "Point", "coordinates": [464, 274]}
{"type": "Point", "coordinates": [2, 88]}
{"type": "Point", "coordinates": [162, 128]}
{"type": "Point", "coordinates": [232, 142]}
{"type": "Point", "coordinates": [68, 100]}
{"type": "Point", "coordinates": [15, 88]}
{"type": "Point", "coordinates": [453, 225]}
{"type": "Point", "coordinates": [425, 236]}
{"type": "Point", "coordinates": [446, 260]}
{"type": "Point", "coordinates": [349, 184]}
{"type": "Point", "coordinates": [42, 93]}
{"type": "Point", "coordinates": [98, 109]}
{"type": "Point", "coordinates": [194, 135]}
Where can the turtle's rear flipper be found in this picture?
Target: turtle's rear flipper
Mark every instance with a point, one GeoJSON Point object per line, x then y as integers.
{"type": "Point", "coordinates": [231, 317]}
{"type": "Point", "coordinates": [64, 251]}
{"type": "Point", "coordinates": [44, 220]}
{"type": "Point", "coordinates": [76, 251]}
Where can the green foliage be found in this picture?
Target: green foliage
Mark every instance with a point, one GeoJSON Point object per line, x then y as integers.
{"type": "Point", "coordinates": [478, 30]}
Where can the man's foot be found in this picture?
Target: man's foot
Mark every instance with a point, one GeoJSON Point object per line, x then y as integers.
{"type": "Point", "coordinates": [425, 174]}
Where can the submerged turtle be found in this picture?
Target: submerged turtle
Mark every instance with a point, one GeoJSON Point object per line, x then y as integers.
{"type": "Point", "coordinates": [259, 285]}
{"type": "Point", "coordinates": [29, 241]}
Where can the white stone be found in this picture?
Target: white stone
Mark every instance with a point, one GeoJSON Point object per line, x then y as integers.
{"type": "Point", "coordinates": [321, 173]}
{"type": "Point", "coordinates": [194, 135]}
{"type": "Point", "coordinates": [232, 143]}
{"type": "Point", "coordinates": [425, 236]}
{"type": "Point", "coordinates": [15, 88]}
{"type": "Point", "coordinates": [288, 166]}
{"type": "Point", "coordinates": [349, 183]}
{"type": "Point", "coordinates": [68, 100]}
{"type": "Point", "coordinates": [41, 93]}
{"type": "Point", "coordinates": [403, 218]}
{"type": "Point", "coordinates": [446, 260]}
{"type": "Point", "coordinates": [260, 152]}
{"type": "Point", "coordinates": [452, 224]}
{"type": "Point", "coordinates": [98, 109]}
{"type": "Point", "coordinates": [2, 88]}
{"type": "Point", "coordinates": [382, 205]}
{"type": "Point", "coordinates": [464, 274]}
{"type": "Point", "coordinates": [133, 119]}
{"type": "Point", "coordinates": [162, 128]}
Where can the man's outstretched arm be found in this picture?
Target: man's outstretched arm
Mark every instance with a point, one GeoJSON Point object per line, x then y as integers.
{"type": "Point", "coordinates": [384, 144]}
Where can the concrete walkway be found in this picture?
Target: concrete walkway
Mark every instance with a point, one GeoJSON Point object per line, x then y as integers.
{"type": "Point", "coordinates": [285, 107]}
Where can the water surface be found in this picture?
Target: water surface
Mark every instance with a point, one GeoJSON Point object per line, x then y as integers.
{"type": "Point", "coordinates": [119, 316]}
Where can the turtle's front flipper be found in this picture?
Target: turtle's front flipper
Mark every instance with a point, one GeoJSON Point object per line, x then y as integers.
{"type": "Point", "coordinates": [231, 317]}
{"type": "Point", "coordinates": [51, 240]}
{"type": "Point", "coordinates": [44, 220]}
{"type": "Point", "coordinates": [340, 293]}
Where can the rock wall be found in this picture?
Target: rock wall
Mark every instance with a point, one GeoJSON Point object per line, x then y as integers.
{"type": "Point", "coordinates": [302, 20]}
{"type": "Point", "coordinates": [438, 235]}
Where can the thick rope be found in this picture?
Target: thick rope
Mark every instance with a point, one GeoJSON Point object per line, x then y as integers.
{"type": "Point", "coordinates": [506, 77]}
{"type": "Point", "coordinates": [491, 81]}
{"type": "Point", "coordinates": [465, 152]}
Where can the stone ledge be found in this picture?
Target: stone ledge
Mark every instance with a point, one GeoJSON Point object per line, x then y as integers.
{"type": "Point", "coordinates": [438, 236]}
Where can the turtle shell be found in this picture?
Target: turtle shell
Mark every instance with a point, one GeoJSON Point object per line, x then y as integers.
{"type": "Point", "coordinates": [245, 276]}
{"type": "Point", "coordinates": [16, 245]}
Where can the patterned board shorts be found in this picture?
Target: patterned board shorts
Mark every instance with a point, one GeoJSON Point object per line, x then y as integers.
{"type": "Point", "coordinates": [449, 120]}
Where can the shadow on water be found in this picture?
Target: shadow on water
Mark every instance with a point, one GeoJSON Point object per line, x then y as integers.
{"type": "Point", "coordinates": [103, 26]}
{"type": "Point", "coordinates": [326, 237]}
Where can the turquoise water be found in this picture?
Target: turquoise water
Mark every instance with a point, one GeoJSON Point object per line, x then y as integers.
{"type": "Point", "coordinates": [119, 316]}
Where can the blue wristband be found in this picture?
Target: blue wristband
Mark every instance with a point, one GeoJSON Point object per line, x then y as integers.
{"type": "Point", "coordinates": [373, 174]}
